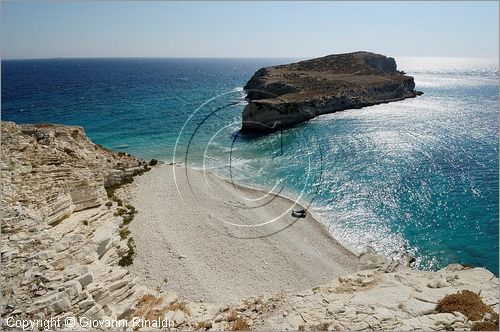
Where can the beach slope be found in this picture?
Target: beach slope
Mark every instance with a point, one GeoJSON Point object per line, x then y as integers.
{"type": "Point", "coordinates": [206, 239]}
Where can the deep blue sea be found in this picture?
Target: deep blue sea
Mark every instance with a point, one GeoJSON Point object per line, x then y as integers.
{"type": "Point", "coordinates": [420, 175]}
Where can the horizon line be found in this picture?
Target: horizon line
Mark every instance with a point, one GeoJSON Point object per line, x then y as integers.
{"type": "Point", "coordinates": [232, 57]}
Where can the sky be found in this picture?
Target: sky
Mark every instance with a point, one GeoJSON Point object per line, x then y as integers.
{"type": "Point", "coordinates": [247, 29]}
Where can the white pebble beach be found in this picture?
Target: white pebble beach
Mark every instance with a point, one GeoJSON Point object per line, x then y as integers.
{"type": "Point", "coordinates": [191, 237]}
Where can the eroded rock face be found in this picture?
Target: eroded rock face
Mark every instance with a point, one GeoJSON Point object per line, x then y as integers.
{"type": "Point", "coordinates": [60, 242]}
{"type": "Point", "coordinates": [281, 96]}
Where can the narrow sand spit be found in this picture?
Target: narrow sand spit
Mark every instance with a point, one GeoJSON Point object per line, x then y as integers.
{"type": "Point", "coordinates": [191, 242]}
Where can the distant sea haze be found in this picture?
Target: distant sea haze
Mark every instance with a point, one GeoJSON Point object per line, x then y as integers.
{"type": "Point", "coordinates": [417, 176]}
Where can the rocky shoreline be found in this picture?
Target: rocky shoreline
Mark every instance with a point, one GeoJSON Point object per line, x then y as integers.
{"type": "Point", "coordinates": [66, 211]}
{"type": "Point", "coordinates": [285, 95]}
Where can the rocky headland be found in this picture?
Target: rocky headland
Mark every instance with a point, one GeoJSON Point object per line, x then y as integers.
{"type": "Point", "coordinates": [68, 251]}
{"type": "Point", "coordinates": [285, 95]}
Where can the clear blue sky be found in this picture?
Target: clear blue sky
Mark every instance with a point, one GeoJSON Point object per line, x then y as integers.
{"type": "Point", "coordinates": [247, 29]}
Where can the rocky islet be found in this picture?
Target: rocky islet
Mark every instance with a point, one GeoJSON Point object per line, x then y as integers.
{"type": "Point", "coordinates": [285, 95]}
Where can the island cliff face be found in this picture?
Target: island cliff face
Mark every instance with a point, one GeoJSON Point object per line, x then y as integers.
{"type": "Point", "coordinates": [281, 96]}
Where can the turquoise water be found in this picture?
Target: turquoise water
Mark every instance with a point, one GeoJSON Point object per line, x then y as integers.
{"type": "Point", "coordinates": [420, 175]}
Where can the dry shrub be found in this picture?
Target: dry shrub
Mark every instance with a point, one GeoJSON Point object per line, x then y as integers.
{"type": "Point", "coordinates": [149, 307]}
{"type": "Point", "coordinates": [472, 306]}
{"type": "Point", "coordinates": [468, 303]}
{"type": "Point", "coordinates": [278, 296]}
{"type": "Point", "coordinates": [182, 306]}
{"type": "Point", "coordinates": [254, 301]}
{"type": "Point", "coordinates": [240, 324]}
{"type": "Point", "coordinates": [351, 285]}
{"type": "Point", "coordinates": [44, 125]}
{"type": "Point", "coordinates": [146, 303]}
{"type": "Point", "coordinates": [317, 327]}
{"type": "Point", "coordinates": [232, 316]}
{"type": "Point", "coordinates": [491, 325]}
{"type": "Point", "coordinates": [156, 313]}
{"type": "Point", "coordinates": [320, 327]}
{"type": "Point", "coordinates": [205, 325]}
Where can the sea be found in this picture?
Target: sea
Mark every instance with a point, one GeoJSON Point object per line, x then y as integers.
{"type": "Point", "coordinates": [418, 176]}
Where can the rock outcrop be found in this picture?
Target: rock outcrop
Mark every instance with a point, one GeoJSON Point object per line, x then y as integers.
{"type": "Point", "coordinates": [402, 300]}
{"type": "Point", "coordinates": [60, 231]}
{"type": "Point", "coordinates": [281, 96]}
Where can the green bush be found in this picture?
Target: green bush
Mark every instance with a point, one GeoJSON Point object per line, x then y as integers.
{"type": "Point", "coordinates": [128, 258]}
{"type": "Point", "coordinates": [120, 212]}
{"type": "Point", "coordinates": [127, 219]}
{"type": "Point", "coordinates": [124, 233]}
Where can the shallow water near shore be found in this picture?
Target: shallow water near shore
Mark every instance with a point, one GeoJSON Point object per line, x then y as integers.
{"type": "Point", "coordinates": [420, 175]}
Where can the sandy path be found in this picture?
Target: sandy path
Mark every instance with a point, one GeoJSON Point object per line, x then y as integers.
{"type": "Point", "coordinates": [189, 241]}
